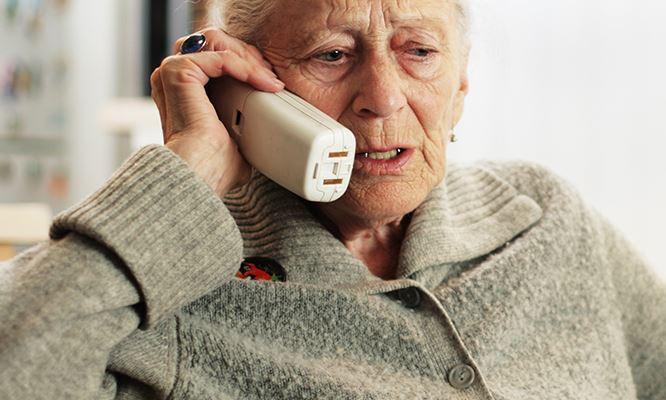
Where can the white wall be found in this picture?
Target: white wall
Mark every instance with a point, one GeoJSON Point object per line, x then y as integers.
{"type": "Point", "coordinates": [93, 35]}
{"type": "Point", "coordinates": [579, 86]}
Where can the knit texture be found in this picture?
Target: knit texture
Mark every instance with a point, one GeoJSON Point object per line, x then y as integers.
{"type": "Point", "coordinates": [520, 281]}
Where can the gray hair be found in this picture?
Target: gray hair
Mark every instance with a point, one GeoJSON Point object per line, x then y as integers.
{"type": "Point", "coordinates": [240, 18]}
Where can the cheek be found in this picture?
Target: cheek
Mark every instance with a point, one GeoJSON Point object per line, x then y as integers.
{"type": "Point", "coordinates": [330, 98]}
{"type": "Point", "coordinates": [434, 114]}
{"type": "Point", "coordinates": [431, 107]}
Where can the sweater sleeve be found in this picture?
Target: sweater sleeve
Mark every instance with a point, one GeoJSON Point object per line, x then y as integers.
{"type": "Point", "coordinates": [641, 299]}
{"type": "Point", "coordinates": [151, 240]}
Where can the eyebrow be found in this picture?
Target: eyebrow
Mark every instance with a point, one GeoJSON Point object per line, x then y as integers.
{"type": "Point", "coordinates": [417, 18]}
{"type": "Point", "coordinates": [349, 27]}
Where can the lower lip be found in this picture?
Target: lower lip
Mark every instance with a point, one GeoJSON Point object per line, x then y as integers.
{"type": "Point", "coordinates": [391, 166]}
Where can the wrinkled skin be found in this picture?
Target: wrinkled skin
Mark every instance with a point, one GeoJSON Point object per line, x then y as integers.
{"type": "Point", "coordinates": [393, 72]}
{"type": "Point", "coordinates": [390, 70]}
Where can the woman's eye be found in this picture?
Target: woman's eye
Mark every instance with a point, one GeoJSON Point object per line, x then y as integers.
{"type": "Point", "coordinates": [330, 66]}
{"type": "Point", "coordinates": [421, 52]}
{"type": "Point", "coordinates": [331, 56]}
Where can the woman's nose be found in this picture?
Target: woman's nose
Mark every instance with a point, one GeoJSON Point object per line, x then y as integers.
{"type": "Point", "coordinates": [380, 92]}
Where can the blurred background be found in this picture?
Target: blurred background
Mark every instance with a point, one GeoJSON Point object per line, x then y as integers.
{"type": "Point", "coordinates": [576, 86]}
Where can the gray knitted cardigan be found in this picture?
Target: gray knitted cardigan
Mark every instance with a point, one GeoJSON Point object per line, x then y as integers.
{"type": "Point", "coordinates": [526, 293]}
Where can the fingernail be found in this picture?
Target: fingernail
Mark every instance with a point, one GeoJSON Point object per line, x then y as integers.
{"type": "Point", "coordinates": [278, 82]}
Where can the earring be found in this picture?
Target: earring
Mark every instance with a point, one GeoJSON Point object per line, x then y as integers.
{"type": "Point", "coordinates": [453, 137]}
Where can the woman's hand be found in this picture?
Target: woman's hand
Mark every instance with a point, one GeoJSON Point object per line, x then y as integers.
{"type": "Point", "coordinates": [190, 124]}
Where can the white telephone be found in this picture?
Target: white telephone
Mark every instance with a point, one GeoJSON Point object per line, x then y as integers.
{"type": "Point", "coordinates": [289, 140]}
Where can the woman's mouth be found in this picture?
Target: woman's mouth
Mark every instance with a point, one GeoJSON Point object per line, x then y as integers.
{"type": "Point", "coordinates": [382, 156]}
{"type": "Point", "coordinates": [386, 162]}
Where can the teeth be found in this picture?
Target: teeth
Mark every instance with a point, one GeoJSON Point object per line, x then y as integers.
{"type": "Point", "coordinates": [382, 156]}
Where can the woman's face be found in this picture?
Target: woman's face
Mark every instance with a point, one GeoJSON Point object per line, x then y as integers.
{"type": "Point", "coordinates": [389, 70]}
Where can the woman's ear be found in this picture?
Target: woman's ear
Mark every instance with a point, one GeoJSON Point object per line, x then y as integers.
{"type": "Point", "coordinates": [459, 100]}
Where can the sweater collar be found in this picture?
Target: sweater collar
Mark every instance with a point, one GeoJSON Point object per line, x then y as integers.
{"type": "Point", "coordinates": [470, 214]}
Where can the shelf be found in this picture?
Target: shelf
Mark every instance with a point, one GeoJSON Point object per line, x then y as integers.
{"type": "Point", "coordinates": [123, 115]}
{"type": "Point", "coordinates": [31, 146]}
{"type": "Point", "coordinates": [24, 223]}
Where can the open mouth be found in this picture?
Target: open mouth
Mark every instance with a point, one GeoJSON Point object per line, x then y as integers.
{"type": "Point", "coordinates": [389, 162]}
{"type": "Point", "coordinates": [385, 155]}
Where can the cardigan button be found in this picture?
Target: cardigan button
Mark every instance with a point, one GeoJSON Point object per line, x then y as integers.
{"type": "Point", "coordinates": [461, 376]}
{"type": "Point", "coordinates": [410, 297]}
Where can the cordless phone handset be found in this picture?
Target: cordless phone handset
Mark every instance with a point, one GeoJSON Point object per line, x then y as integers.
{"type": "Point", "coordinates": [289, 140]}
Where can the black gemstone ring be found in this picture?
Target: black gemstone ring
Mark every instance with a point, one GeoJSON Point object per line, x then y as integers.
{"type": "Point", "coordinates": [193, 44]}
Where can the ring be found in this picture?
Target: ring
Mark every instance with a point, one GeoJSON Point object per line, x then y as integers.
{"type": "Point", "coordinates": [193, 44]}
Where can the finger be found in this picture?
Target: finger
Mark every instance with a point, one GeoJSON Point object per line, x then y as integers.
{"type": "Point", "coordinates": [216, 40]}
{"type": "Point", "coordinates": [201, 67]}
{"type": "Point", "coordinates": [255, 51]}
{"type": "Point", "coordinates": [157, 93]}
{"type": "Point", "coordinates": [185, 76]}
{"type": "Point", "coordinates": [219, 40]}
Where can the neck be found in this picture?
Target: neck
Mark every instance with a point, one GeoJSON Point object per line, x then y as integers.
{"type": "Point", "coordinates": [375, 242]}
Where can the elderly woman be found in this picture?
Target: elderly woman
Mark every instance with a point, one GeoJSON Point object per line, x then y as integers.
{"type": "Point", "coordinates": [424, 281]}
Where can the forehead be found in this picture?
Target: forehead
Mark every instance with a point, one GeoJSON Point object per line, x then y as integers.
{"type": "Point", "coordinates": [307, 20]}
